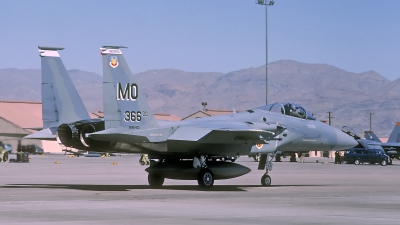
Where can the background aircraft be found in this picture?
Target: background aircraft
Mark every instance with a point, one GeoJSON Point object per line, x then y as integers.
{"type": "Point", "coordinates": [364, 143]}
{"type": "Point", "coordinates": [179, 150]}
{"type": "Point", "coordinates": [392, 146]}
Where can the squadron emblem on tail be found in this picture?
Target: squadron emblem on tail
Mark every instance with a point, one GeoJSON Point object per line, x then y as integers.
{"type": "Point", "coordinates": [114, 61]}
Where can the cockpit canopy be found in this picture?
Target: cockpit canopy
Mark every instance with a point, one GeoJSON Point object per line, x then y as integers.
{"type": "Point", "coordinates": [290, 109]}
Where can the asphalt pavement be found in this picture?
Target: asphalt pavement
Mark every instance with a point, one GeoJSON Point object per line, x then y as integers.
{"type": "Point", "coordinates": [56, 189]}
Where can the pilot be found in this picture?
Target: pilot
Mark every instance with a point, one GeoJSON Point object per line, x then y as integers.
{"type": "Point", "coordinates": [288, 109]}
{"type": "Point", "coordinates": [297, 112]}
{"type": "Point", "coordinates": [293, 111]}
{"type": "Point", "coordinates": [301, 113]}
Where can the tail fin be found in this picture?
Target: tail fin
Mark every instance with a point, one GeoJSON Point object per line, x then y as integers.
{"type": "Point", "coordinates": [124, 104]}
{"type": "Point", "coordinates": [369, 135]}
{"type": "Point", "coordinates": [395, 135]}
{"type": "Point", "coordinates": [61, 102]}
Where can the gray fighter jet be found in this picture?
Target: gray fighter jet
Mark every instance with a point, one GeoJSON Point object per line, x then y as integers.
{"type": "Point", "coordinates": [392, 146]}
{"type": "Point", "coordinates": [179, 150]}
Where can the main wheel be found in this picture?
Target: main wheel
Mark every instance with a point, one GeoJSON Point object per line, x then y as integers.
{"type": "Point", "coordinates": [357, 162]}
{"type": "Point", "coordinates": [383, 163]}
{"type": "Point", "coordinates": [205, 178]}
{"type": "Point", "coordinates": [266, 180]}
{"type": "Point", "coordinates": [155, 180]}
{"type": "Point", "coordinates": [390, 162]}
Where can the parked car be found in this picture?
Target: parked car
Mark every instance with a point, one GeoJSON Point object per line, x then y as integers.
{"type": "Point", "coordinates": [361, 155]}
{"type": "Point", "coordinates": [31, 149]}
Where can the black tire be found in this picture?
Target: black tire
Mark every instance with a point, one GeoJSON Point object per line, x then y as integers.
{"type": "Point", "coordinates": [384, 163]}
{"type": "Point", "coordinates": [5, 157]}
{"type": "Point", "coordinates": [205, 178]}
{"type": "Point", "coordinates": [357, 162]}
{"type": "Point", "coordinates": [266, 180]}
{"type": "Point", "coordinates": [155, 180]}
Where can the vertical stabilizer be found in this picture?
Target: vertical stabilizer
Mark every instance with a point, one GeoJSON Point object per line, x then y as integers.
{"type": "Point", "coordinates": [124, 103]}
{"type": "Point", "coordinates": [61, 102]}
{"type": "Point", "coordinates": [369, 135]}
{"type": "Point", "coordinates": [395, 135]}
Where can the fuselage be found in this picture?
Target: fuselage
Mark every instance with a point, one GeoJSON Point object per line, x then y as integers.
{"type": "Point", "coordinates": [298, 135]}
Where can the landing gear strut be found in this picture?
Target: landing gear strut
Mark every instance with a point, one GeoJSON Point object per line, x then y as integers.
{"type": "Point", "coordinates": [267, 161]}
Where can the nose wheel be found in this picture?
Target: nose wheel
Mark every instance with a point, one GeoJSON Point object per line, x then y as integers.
{"type": "Point", "coordinates": [266, 180]}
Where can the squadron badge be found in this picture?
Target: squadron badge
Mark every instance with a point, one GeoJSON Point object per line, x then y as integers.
{"type": "Point", "coordinates": [114, 61]}
{"type": "Point", "coordinates": [259, 146]}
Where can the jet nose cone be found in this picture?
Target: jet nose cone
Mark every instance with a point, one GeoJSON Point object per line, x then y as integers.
{"type": "Point", "coordinates": [343, 141]}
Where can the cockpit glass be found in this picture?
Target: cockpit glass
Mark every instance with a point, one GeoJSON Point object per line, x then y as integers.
{"type": "Point", "coordinates": [290, 109]}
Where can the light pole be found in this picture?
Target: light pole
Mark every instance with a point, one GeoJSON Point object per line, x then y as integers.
{"type": "Point", "coordinates": [266, 3]}
{"type": "Point", "coordinates": [370, 121]}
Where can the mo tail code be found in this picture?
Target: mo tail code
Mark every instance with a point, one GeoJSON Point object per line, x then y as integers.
{"type": "Point", "coordinates": [127, 92]}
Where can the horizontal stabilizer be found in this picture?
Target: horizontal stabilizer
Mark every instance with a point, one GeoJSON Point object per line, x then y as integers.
{"type": "Point", "coordinates": [46, 134]}
{"type": "Point", "coordinates": [15, 135]}
{"type": "Point", "coordinates": [33, 128]}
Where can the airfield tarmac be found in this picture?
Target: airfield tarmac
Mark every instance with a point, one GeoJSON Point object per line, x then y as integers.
{"type": "Point", "coordinates": [95, 191]}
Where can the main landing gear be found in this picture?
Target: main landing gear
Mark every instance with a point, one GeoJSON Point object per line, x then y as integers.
{"type": "Point", "coordinates": [185, 170]}
{"type": "Point", "coordinates": [266, 163]}
{"type": "Point", "coordinates": [205, 178]}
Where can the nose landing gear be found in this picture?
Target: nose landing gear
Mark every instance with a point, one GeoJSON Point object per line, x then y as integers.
{"type": "Point", "coordinates": [266, 163]}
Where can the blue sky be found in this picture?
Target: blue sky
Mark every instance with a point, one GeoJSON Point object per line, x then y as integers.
{"type": "Point", "coordinates": [204, 36]}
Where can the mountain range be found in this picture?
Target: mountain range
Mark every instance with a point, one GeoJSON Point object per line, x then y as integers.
{"type": "Point", "coordinates": [319, 88]}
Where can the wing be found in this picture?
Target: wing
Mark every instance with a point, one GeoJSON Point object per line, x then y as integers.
{"type": "Point", "coordinates": [228, 132]}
